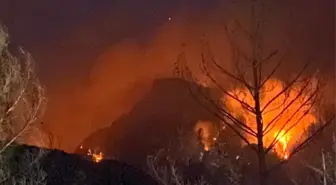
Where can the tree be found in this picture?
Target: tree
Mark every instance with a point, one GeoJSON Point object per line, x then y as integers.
{"type": "Point", "coordinates": [166, 172]}
{"type": "Point", "coordinates": [53, 141]}
{"type": "Point", "coordinates": [264, 107]}
{"type": "Point", "coordinates": [21, 105]}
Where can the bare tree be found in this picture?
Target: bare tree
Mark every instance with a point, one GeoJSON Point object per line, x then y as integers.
{"type": "Point", "coordinates": [327, 169]}
{"type": "Point", "coordinates": [54, 141]}
{"type": "Point", "coordinates": [261, 109]}
{"type": "Point", "coordinates": [167, 173]}
{"type": "Point", "coordinates": [21, 105]}
{"type": "Point", "coordinates": [198, 166]}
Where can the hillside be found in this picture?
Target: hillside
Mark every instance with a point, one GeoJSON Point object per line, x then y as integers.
{"type": "Point", "coordinates": [69, 169]}
{"type": "Point", "coordinates": [152, 123]}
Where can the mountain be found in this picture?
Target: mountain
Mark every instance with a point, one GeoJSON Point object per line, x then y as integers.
{"type": "Point", "coordinates": [166, 112]}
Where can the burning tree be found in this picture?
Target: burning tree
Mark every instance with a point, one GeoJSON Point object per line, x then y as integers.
{"type": "Point", "coordinates": [263, 107]}
{"type": "Point", "coordinates": [21, 102]}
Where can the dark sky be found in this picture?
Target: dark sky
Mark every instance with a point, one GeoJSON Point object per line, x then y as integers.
{"type": "Point", "coordinates": [74, 32]}
{"type": "Point", "coordinates": [68, 34]}
{"type": "Point", "coordinates": [87, 59]}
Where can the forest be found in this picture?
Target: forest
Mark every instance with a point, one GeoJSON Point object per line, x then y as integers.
{"type": "Point", "coordinates": [224, 93]}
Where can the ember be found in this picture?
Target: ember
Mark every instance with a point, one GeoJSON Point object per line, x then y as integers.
{"type": "Point", "coordinates": [207, 134]}
{"type": "Point", "coordinates": [96, 157]}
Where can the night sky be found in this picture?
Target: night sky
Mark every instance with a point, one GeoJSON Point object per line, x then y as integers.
{"type": "Point", "coordinates": [68, 35]}
{"type": "Point", "coordinates": [52, 30]}
{"type": "Point", "coordinates": [71, 42]}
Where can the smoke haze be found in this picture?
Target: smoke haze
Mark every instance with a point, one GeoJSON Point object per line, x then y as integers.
{"type": "Point", "coordinates": [97, 66]}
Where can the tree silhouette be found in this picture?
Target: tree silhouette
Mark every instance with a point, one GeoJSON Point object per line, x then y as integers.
{"type": "Point", "coordinates": [21, 103]}
{"type": "Point", "coordinates": [260, 108]}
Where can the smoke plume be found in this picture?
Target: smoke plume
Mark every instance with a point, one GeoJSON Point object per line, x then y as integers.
{"type": "Point", "coordinates": [123, 72]}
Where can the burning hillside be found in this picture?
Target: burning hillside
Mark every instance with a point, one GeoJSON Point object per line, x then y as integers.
{"type": "Point", "coordinates": [153, 123]}
{"type": "Point", "coordinates": [207, 133]}
{"type": "Point", "coordinates": [286, 119]}
{"type": "Point", "coordinates": [96, 157]}
{"type": "Point", "coordinates": [92, 154]}
{"type": "Point", "coordinates": [118, 139]}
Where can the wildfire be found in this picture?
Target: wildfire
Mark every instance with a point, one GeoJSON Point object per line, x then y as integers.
{"type": "Point", "coordinates": [96, 157]}
{"type": "Point", "coordinates": [282, 146]}
{"type": "Point", "coordinates": [283, 130]}
{"type": "Point", "coordinates": [207, 133]}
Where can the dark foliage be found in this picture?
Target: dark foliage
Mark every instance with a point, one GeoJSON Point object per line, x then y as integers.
{"type": "Point", "coordinates": [68, 169]}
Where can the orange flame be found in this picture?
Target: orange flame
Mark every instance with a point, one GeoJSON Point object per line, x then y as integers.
{"type": "Point", "coordinates": [294, 108]}
{"type": "Point", "coordinates": [282, 146]}
{"type": "Point", "coordinates": [208, 133]}
{"type": "Point", "coordinates": [96, 157]}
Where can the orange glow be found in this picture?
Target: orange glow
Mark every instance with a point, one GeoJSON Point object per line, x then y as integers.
{"type": "Point", "coordinates": [208, 134]}
{"type": "Point", "coordinates": [278, 130]}
{"type": "Point", "coordinates": [281, 148]}
{"type": "Point", "coordinates": [96, 157]}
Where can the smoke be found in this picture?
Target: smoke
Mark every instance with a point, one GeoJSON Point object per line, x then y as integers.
{"type": "Point", "coordinates": [123, 72]}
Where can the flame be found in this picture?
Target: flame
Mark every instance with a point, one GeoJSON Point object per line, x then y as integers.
{"type": "Point", "coordinates": [208, 133]}
{"type": "Point", "coordinates": [282, 146]}
{"type": "Point", "coordinates": [96, 157]}
{"type": "Point", "coordinates": [283, 130]}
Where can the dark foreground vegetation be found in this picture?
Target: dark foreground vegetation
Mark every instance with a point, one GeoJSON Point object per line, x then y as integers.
{"type": "Point", "coordinates": [68, 169]}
